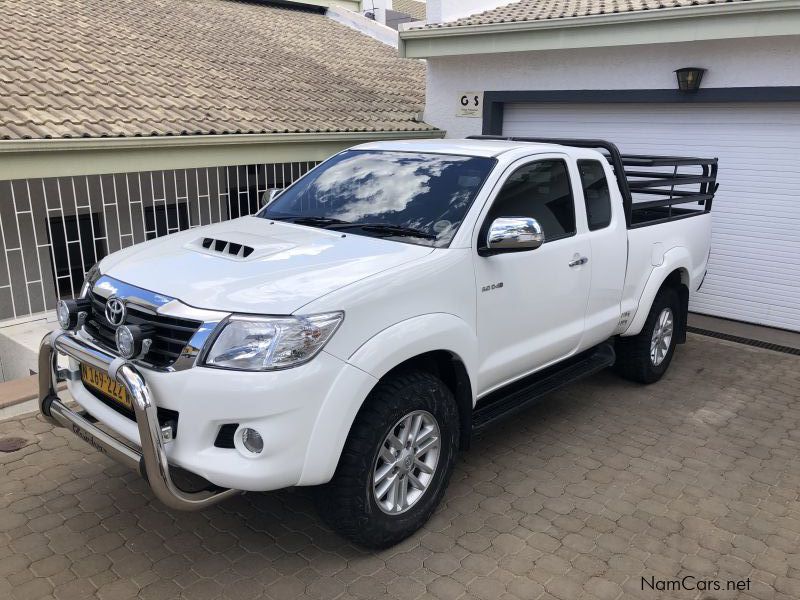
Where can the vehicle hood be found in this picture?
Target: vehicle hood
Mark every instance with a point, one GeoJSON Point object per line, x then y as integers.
{"type": "Point", "coordinates": [253, 265]}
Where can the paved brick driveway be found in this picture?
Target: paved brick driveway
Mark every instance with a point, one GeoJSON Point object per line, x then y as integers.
{"type": "Point", "coordinates": [583, 495]}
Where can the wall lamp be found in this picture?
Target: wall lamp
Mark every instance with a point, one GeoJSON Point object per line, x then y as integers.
{"type": "Point", "coordinates": [689, 78]}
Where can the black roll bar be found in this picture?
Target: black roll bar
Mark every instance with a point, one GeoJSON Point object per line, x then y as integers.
{"type": "Point", "coordinates": [632, 180]}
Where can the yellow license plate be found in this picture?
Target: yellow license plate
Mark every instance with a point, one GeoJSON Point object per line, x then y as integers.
{"type": "Point", "coordinates": [100, 381]}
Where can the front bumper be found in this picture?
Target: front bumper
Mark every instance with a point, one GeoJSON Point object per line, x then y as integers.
{"type": "Point", "coordinates": [303, 415]}
{"type": "Point", "coordinates": [150, 458]}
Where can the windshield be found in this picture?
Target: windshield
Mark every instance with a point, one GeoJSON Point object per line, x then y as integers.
{"type": "Point", "coordinates": [411, 197]}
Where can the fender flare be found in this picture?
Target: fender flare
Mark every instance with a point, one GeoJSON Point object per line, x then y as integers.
{"type": "Point", "coordinates": [415, 336]}
{"type": "Point", "coordinates": [376, 357]}
{"type": "Point", "coordinates": [677, 258]}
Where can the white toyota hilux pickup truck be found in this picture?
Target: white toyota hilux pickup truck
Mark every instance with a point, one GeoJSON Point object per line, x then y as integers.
{"type": "Point", "coordinates": [361, 327]}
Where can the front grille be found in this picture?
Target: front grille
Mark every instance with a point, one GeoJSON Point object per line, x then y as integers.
{"type": "Point", "coordinates": [171, 334]}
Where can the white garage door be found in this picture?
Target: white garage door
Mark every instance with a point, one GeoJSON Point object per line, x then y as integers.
{"type": "Point", "coordinates": [754, 272]}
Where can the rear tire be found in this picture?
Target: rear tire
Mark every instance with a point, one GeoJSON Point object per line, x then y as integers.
{"type": "Point", "coordinates": [646, 357]}
{"type": "Point", "coordinates": [374, 498]}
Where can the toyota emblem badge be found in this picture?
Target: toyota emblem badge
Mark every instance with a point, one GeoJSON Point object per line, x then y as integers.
{"type": "Point", "coordinates": [115, 311]}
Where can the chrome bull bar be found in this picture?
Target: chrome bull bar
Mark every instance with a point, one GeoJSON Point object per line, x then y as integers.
{"type": "Point", "coordinates": [151, 459]}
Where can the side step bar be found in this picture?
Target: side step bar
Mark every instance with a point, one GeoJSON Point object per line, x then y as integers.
{"type": "Point", "coordinates": [520, 395]}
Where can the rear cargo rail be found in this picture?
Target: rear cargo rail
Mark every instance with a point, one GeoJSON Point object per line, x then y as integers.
{"type": "Point", "coordinates": [654, 189]}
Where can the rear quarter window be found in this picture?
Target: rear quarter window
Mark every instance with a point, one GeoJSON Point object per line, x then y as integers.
{"type": "Point", "coordinates": [595, 194]}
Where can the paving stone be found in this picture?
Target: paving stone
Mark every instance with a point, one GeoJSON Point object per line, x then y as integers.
{"type": "Point", "coordinates": [119, 589]}
{"type": "Point", "coordinates": [446, 588]}
{"type": "Point", "coordinates": [442, 564]}
{"type": "Point", "coordinates": [486, 588]}
{"type": "Point", "coordinates": [603, 588]}
{"type": "Point", "coordinates": [563, 588]}
{"type": "Point", "coordinates": [52, 565]}
{"type": "Point", "coordinates": [33, 589]}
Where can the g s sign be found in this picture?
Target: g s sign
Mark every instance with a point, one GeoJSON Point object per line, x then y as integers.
{"type": "Point", "coordinates": [469, 104]}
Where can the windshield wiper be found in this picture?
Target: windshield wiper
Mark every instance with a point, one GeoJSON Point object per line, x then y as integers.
{"type": "Point", "coordinates": [331, 223]}
{"type": "Point", "coordinates": [309, 220]}
{"type": "Point", "coordinates": [386, 228]}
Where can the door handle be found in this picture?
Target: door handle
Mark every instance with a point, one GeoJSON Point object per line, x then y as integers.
{"type": "Point", "coordinates": [578, 261]}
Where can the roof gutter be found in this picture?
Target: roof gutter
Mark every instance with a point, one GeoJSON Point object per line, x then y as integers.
{"type": "Point", "coordinates": [756, 18]}
{"type": "Point", "coordinates": [20, 159]}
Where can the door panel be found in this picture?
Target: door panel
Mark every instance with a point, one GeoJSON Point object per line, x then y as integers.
{"type": "Point", "coordinates": [531, 304]}
{"type": "Point", "coordinates": [537, 316]}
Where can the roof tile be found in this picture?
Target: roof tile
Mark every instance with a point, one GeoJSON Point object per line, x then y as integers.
{"type": "Point", "coordinates": [538, 10]}
{"type": "Point", "coordinates": [412, 8]}
{"type": "Point", "coordinates": [78, 68]}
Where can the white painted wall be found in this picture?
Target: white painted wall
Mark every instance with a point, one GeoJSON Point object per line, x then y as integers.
{"type": "Point", "coordinates": [19, 347]}
{"type": "Point", "coordinates": [374, 29]}
{"type": "Point", "coordinates": [378, 8]}
{"type": "Point", "coordinates": [441, 11]}
{"type": "Point", "coordinates": [748, 62]}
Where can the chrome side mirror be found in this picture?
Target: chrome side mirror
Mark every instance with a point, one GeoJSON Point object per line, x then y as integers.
{"type": "Point", "coordinates": [513, 234]}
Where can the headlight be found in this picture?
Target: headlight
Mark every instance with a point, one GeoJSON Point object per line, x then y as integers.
{"type": "Point", "coordinates": [268, 343]}
{"type": "Point", "coordinates": [92, 275]}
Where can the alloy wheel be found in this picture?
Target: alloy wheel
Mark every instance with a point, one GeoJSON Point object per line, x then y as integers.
{"type": "Point", "coordinates": [662, 337]}
{"type": "Point", "coordinates": [406, 462]}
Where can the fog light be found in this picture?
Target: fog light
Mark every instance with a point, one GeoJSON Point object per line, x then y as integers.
{"type": "Point", "coordinates": [64, 318]}
{"type": "Point", "coordinates": [126, 345]}
{"type": "Point", "coordinates": [252, 440]}
{"type": "Point", "coordinates": [71, 313]}
{"type": "Point", "coordinates": [133, 341]}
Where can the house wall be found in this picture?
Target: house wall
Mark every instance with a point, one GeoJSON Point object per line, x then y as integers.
{"type": "Point", "coordinates": [376, 29]}
{"type": "Point", "coordinates": [729, 63]}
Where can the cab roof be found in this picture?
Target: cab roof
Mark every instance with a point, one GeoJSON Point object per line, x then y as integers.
{"type": "Point", "coordinates": [463, 147]}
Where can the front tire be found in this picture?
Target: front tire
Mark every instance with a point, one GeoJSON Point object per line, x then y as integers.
{"type": "Point", "coordinates": [646, 357]}
{"type": "Point", "coordinates": [396, 463]}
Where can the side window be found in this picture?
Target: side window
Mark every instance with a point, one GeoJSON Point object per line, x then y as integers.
{"type": "Point", "coordinates": [540, 190]}
{"type": "Point", "coordinates": [595, 193]}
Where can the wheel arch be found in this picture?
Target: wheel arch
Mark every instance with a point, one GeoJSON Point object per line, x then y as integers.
{"type": "Point", "coordinates": [679, 280]}
{"type": "Point", "coordinates": [440, 343]}
{"type": "Point", "coordinates": [450, 368]}
{"type": "Point", "coordinates": [674, 272]}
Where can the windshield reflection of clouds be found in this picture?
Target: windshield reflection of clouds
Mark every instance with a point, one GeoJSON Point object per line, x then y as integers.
{"type": "Point", "coordinates": [378, 184]}
{"type": "Point", "coordinates": [426, 192]}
